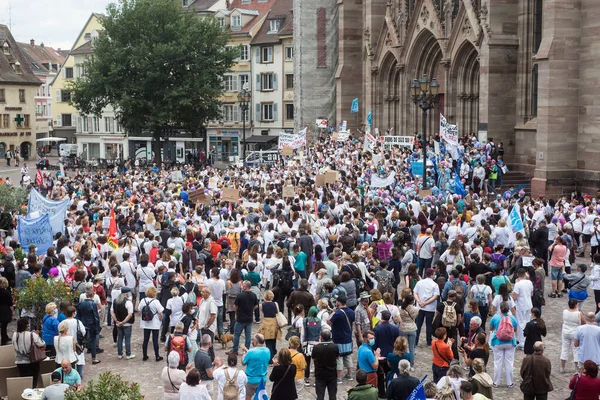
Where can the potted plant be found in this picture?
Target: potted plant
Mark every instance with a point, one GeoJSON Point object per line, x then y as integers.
{"type": "Point", "coordinates": [37, 293]}
{"type": "Point", "coordinates": [107, 386]}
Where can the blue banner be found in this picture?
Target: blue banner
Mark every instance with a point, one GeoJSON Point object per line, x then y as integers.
{"type": "Point", "coordinates": [56, 210]}
{"type": "Point", "coordinates": [417, 168]}
{"type": "Point", "coordinates": [370, 118]}
{"type": "Point", "coordinates": [419, 392]}
{"type": "Point", "coordinates": [516, 223]}
{"type": "Point", "coordinates": [36, 231]}
{"type": "Point", "coordinates": [261, 391]}
{"type": "Point", "coordinates": [460, 189]}
{"type": "Point", "coordinates": [354, 108]}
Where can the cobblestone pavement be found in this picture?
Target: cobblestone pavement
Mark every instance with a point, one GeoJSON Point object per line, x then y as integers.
{"type": "Point", "coordinates": [147, 374]}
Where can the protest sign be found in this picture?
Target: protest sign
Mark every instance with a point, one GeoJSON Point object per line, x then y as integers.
{"type": "Point", "coordinates": [292, 141]}
{"type": "Point", "coordinates": [212, 182]}
{"type": "Point", "coordinates": [105, 222]}
{"type": "Point", "coordinates": [322, 123]}
{"type": "Point", "coordinates": [331, 176]}
{"type": "Point", "coordinates": [287, 151]}
{"type": "Point", "coordinates": [248, 205]}
{"type": "Point", "coordinates": [36, 231]}
{"type": "Point", "coordinates": [289, 191]}
{"type": "Point", "coordinates": [320, 180]}
{"type": "Point", "coordinates": [401, 141]}
{"type": "Point", "coordinates": [448, 132]}
{"type": "Point", "coordinates": [230, 194]}
{"type": "Point", "coordinates": [56, 209]}
{"type": "Point", "coordinates": [343, 136]}
{"type": "Point", "coordinates": [176, 176]}
{"type": "Point", "coordinates": [379, 182]}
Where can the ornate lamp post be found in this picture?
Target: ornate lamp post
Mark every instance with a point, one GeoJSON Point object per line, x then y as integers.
{"type": "Point", "coordinates": [244, 98]}
{"type": "Point", "coordinates": [425, 95]}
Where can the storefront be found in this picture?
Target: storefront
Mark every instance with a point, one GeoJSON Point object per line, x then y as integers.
{"type": "Point", "coordinates": [224, 145]}
{"type": "Point", "coordinates": [94, 147]}
{"type": "Point", "coordinates": [175, 148]}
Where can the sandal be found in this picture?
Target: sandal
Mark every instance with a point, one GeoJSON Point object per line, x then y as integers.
{"type": "Point", "coordinates": [559, 295]}
{"type": "Point", "coordinates": [552, 295]}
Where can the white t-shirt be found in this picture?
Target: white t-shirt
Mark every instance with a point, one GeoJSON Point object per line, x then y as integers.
{"type": "Point", "coordinates": [498, 301]}
{"type": "Point", "coordinates": [426, 247]}
{"type": "Point", "coordinates": [175, 304]}
{"type": "Point", "coordinates": [197, 392]}
{"type": "Point", "coordinates": [426, 289]}
{"type": "Point", "coordinates": [391, 308]}
{"type": "Point", "coordinates": [242, 379]}
{"type": "Point", "coordinates": [588, 224]}
{"type": "Point", "coordinates": [128, 269]}
{"type": "Point", "coordinates": [479, 290]}
{"type": "Point", "coordinates": [145, 276]}
{"type": "Point", "coordinates": [73, 332]}
{"type": "Point", "coordinates": [217, 288]}
{"type": "Point", "coordinates": [524, 289]}
{"type": "Point", "coordinates": [156, 308]}
{"type": "Point", "coordinates": [69, 255]}
{"type": "Point", "coordinates": [207, 307]}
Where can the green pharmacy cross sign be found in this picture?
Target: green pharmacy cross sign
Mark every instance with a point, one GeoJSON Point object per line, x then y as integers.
{"type": "Point", "coordinates": [19, 120]}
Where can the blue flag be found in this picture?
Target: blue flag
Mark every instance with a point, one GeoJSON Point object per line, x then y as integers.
{"type": "Point", "coordinates": [516, 223]}
{"type": "Point", "coordinates": [261, 391]}
{"type": "Point", "coordinates": [460, 189]}
{"type": "Point", "coordinates": [354, 108]}
{"type": "Point", "coordinates": [36, 231]}
{"type": "Point", "coordinates": [370, 118]}
{"type": "Point", "coordinates": [419, 392]}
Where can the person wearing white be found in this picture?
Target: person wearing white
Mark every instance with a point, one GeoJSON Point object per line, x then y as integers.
{"type": "Point", "coordinates": [426, 294]}
{"type": "Point", "coordinates": [129, 270]}
{"type": "Point", "coordinates": [572, 319]}
{"type": "Point", "coordinates": [522, 293]}
{"type": "Point", "coordinates": [175, 304]}
{"type": "Point", "coordinates": [222, 374]}
{"type": "Point", "coordinates": [191, 389]}
{"type": "Point", "coordinates": [152, 326]}
{"type": "Point", "coordinates": [145, 275]}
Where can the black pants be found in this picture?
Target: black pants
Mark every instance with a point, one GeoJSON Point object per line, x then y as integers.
{"type": "Point", "coordinates": [147, 333]}
{"type": "Point", "coordinates": [32, 369]}
{"type": "Point", "coordinates": [4, 332]}
{"type": "Point", "coordinates": [438, 372]}
{"type": "Point", "coordinates": [537, 396]}
{"type": "Point", "coordinates": [272, 346]}
{"type": "Point", "coordinates": [381, 378]}
{"type": "Point", "coordinates": [165, 327]}
{"type": "Point", "coordinates": [231, 321]}
{"type": "Point", "coordinates": [50, 350]}
{"type": "Point", "coordinates": [483, 311]}
{"type": "Point", "coordinates": [307, 369]}
{"type": "Point", "coordinates": [282, 296]}
{"type": "Point", "coordinates": [427, 317]}
{"type": "Point", "coordinates": [330, 384]}
{"type": "Point", "coordinates": [597, 299]}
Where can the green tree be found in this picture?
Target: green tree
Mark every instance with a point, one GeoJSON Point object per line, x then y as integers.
{"type": "Point", "coordinates": [12, 199]}
{"type": "Point", "coordinates": [107, 386]}
{"type": "Point", "coordinates": [37, 293]}
{"type": "Point", "coordinates": [161, 68]}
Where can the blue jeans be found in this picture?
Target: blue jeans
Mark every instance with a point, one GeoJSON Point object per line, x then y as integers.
{"type": "Point", "coordinates": [108, 316]}
{"type": "Point", "coordinates": [237, 332]}
{"type": "Point", "coordinates": [412, 338]}
{"type": "Point", "coordinates": [124, 331]}
{"type": "Point", "coordinates": [426, 316]}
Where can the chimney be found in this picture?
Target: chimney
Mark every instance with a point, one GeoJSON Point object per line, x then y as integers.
{"type": "Point", "coordinates": [42, 45]}
{"type": "Point", "coordinates": [32, 42]}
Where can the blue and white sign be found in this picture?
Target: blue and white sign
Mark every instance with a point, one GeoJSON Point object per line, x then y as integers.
{"type": "Point", "coordinates": [354, 108]}
{"type": "Point", "coordinates": [36, 231]}
{"type": "Point", "coordinates": [417, 168]}
{"type": "Point", "coordinates": [56, 210]}
{"type": "Point", "coordinates": [516, 223]}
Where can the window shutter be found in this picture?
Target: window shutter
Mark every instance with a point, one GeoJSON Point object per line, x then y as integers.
{"type": "Point", "coordinates": [236, 113]}
{"type": "Point", "coordinates": [235, 82]}
{"type": "Point", "coordinates": [58, 120]}
{"type": "Point", "coordinates": [275, 112]}
{"type": "Point", "coordinates": [258, 116]}
{"type": "Point", "coordinates": [258, 86]}
{"type": "Point", "coordinates": [258, 55]}
{"type": "Point", "coordinates": [274, 81]}
{"type": "Point", "coordinates": [78, 123]}
{"type": "Point", "coordinates": [58, 96]}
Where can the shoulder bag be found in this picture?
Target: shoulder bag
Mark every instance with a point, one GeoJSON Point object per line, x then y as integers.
{"type": "Point", "coordinates": [572, 395]}
{"type": "Point", "coordinates": [281, 319]}
{"type": "Point", "coordinates": [282, 378]}
{"type": "Point", "coordinates": [527, 383]}
{"type": "Point", "coordinates": [36, 353]}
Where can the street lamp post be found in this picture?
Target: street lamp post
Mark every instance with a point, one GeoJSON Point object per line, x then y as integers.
{"type": "Point", "coordinates": [244, 97]}
{"type": "Point", "coordinates": [425, 95]}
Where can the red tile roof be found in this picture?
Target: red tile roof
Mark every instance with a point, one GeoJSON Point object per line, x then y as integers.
{"type": "Point", "coordinates": [282, 10]}
{"type": "Point", "coordinates": [262, 8]}
{"type": "Point", "coordinates": [7, 74]}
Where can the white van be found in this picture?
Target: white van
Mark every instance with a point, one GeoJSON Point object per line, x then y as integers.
{"type": "Point", "coordinates": [67, 150]}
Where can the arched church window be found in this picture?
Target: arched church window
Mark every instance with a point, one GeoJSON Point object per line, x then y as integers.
{"type": "Point", "coordinates": [534, 90]}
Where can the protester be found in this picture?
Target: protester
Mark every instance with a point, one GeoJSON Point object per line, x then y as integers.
{"type": "Point", "coordinates": [191, 387]}
{"type": "Point", "coordinates": [504, 342]}
{"type": "Point", "coordinates": [403, 385]}
{"type": "Point", "coordinates": [536, 369]}
{"type": "Point", "coordinates": [587, 385]}
{"type": "Point", "coordinates": [22, 341]}
{"type": "Point", "coordinates": [172, 377]}
{"type": "Point", "coordinates": [587, 337]}
{"type": "Point", "coordinates": [325, 356]}
{"type": "Point", "coordinates": [362, 390]}
{"type": "Point", "coordinates": [256, 361]}
{"type": "Point", "coordinates": [228, 373]}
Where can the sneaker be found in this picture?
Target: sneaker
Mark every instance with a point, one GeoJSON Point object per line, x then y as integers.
{"type": "Point", "coordinates": [120, 357]}
{"type": "Point", "coordinates": [494, 385]}
{"type": "Point", "coordinates": [348, 377]}
{"type": "Point", "coordinates": [339, 381]}
{"type": "Point", "coordinates": [159, 359]}
{"type": "Point", "coordinates": [512, 385]}
{"type": "Point", "coordinates": [96, 361]}
{"type": "Point", "coordinates": [130, 357]}
{"type": "Point", "coordinates": [306, 382]}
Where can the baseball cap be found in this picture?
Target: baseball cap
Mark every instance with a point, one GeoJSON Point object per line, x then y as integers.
{"type": "Point", "coordinates": [56, 376]}
{"type": "Point", "coordinates": [125, 290]}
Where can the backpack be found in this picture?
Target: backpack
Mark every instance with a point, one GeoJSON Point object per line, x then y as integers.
{"type": "Point", "coordinates": [76, 292]}
{"type": "Point", "coordinates": [505, 331]}
{"type": "Point", "coordinates": [371, 229]}
{"type": "Point", "coordinates": [384, 283]}
{"type": "Point", "coordinates": [480, 296]}
{"type": "Point", "coordinates": [190, 297]}
{"type": "Point", "coordinates": [147, 314]}
{"type": "Point", "coordinates": [230, 389]}
{"type": "Point", "coordinates": [287, 281]}
{"type": "Point", "coordinates": [177, 344]}
{"type": "Point", "coordinates": [449, 317]}
{"type": "Point", "coordinates": [141, 246]}
{"type": "Point", "coordinates": [447, 391]}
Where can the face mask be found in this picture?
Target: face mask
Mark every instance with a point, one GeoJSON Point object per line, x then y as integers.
{"type": "Point", "coordinates": [372, 342]}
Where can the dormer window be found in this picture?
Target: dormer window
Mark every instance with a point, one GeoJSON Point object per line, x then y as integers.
{"type": "Point", "coordinates": [274, 25]}
{"type": "Point", "coordinates": [221, 22]}
{"type": "Point", "coordinates": [6, 48]}
{"type": "Point", "coordinates": [236, 22]}
{"type": "Point", "coordinates": [18, 68]}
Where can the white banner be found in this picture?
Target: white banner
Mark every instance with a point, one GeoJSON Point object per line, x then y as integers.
{"type": "Point", "coordinates": [291, 140]}
{"type": "Point", "coordinates": [448, 132]}
{"type": "Point", "coordinates": [378, 182]}
{"type": "Point", "coordinates": [370, 142]}
{"type": "Point", "coordinates": [56, 209]}
{"type": "Point", "coordinates": [402, 141]}
{"type": "Point", "coordinates": [343, 136]}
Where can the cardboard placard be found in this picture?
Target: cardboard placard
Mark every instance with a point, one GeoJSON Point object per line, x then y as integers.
{"type": "Point", "coordinates": [331, 176]}
{"type": "Point", "coordinates": [230, 194]}
{"type": "Point", "coordinates": [193, 196]}
{"type": "Point", "coordinates": [289, 191]}
{"type": "Point", "coordinates": [176, 176]}
{"type": "Point", "coordinates": [204, 199]}
{"type": "Point", "coordinates": [320, 180]}
{"type": "Point", "coordinates": [287, 151]}
{"type": "Point", "coordinates": [212, 182]}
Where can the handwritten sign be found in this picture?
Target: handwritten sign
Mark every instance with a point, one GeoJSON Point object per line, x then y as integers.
{"type": "Point", "coordinates": [401, 141]}
{"type": "Point", "coordinates": [289, 191]}
{"type": "Point", "coordinates": [231, 194]}
{"type": "Point", "coordinates": [331, 176]}
{"type": "Point", "coordinates": [287, 151]}
{"type": "Point", "coordinates": [212, 182]}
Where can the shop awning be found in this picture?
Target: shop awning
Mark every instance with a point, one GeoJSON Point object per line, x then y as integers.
{"type": "Point", "coordinates": [52, 139]}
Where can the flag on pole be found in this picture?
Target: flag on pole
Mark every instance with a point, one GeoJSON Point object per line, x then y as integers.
{"type": "Point", "coordinates": [112, 241]}
{"type": "Point", "coordinates": [39, 178]}
{"type": "Point", "coordinates": [261, 391]}
{"type": "Point", "coordinates": [515, 221]}
{"type": "Point", "coordinates": [354, 108]}
{"type": "Point", "coordinates": [370, 118]}
{"type": "Point", "coordinates": [460, 189]}
{"type": "Point", "coordinates": [419, 392]}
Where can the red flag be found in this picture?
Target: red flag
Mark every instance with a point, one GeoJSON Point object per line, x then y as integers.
{"type": "Point", "coordinates": [112, 227]}
{"type": "Point", "coordinates": [39, 178]}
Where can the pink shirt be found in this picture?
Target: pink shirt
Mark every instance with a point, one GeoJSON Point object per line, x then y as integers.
{"type": "Point", "coordinates": [558, 256]}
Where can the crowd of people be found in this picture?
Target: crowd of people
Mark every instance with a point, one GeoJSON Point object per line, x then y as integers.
{"type": "Point", "coordinates": [341, 275]}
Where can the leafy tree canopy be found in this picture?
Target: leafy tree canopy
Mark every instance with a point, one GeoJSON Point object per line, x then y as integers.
{"type": "Point", "coordinates": [160, 68]}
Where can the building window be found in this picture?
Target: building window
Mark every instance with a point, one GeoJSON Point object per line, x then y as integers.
{"type": "Point", "coordinates": [289, 81]}
{"type": "Point", "coordinates": [230, 83]}
{"type": "Point", "coordinates": [96, 124]}
{"type": "Point", "coordinates": [6, 120]}
{"type": "Point", "coordinates": [267, 112]}
{"type": "Point", "coordinates": [6, 48]}
{"type": "Point", "coordinates": [245, 52]}
{"type": "Point", "coordinates": [119, 127]}
{"type": "Point", "coordinates": [26, 121]}
{"type": "Point", "coordinates": [44, 110]}
{"type": "Point", "coordinates": [538, 17]}
{"type": "Point", "coordinates": [222, 22]}
{"type": "Point", "coordinates": [236, 22]}
{"type": "Point", "coordinates": [289, 112]}
{"type": "Point", "coordinates": [534, 90]}
{"type": "Point", "coordinates": [65, 96]}
{"type": "Point", "coordinates": [230, 113]}
{"type": "Point", "coordinates": [84, 124]}
{"type": "Point", "coordinates": [66, 120]}
{"type": "Point", "coordinates": [18, 70]}
{"type": "Point", "coordinates": [22, 95]}
{"type": "Point", "coordinates": [69, 73]}
{"type": "Point", "coordinates": [108, 124]}
{"type": "Point", "coordinates": [2, 96]}
{"type": "Point", "coordinates": [289, 53]}
{"type": "Point", "coordinates": [266, 55]}
{"type": "Point", "coordinates": [244, 81]}
{"type": "Point", "coordinates": [38, 109]}
{"type": "Point", "coordinates": [274, 25]}
{"type": "Point", "coordinates": [246, 1]}
{"type": "Point", "coordinates": [267, 82]}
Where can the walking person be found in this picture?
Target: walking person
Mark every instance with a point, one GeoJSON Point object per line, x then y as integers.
{"type": "Point", "coordinates": [269, 327]}
{"type": "Point", "coordinates": [151, 316]}
{"type": "Point", "coordinates": [245, 304]}
{"type": "Point", "coordinates": [341, 323]}
{"type": "Point", "coordinates": [521, 294]}
{"type": "Point", "coordinates": [535, 372]}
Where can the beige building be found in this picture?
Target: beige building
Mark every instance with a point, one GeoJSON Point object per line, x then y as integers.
{"type": "Point", "coordinates": [523, 72]}
{"type": "Point", "coordinates": [18, 88]}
